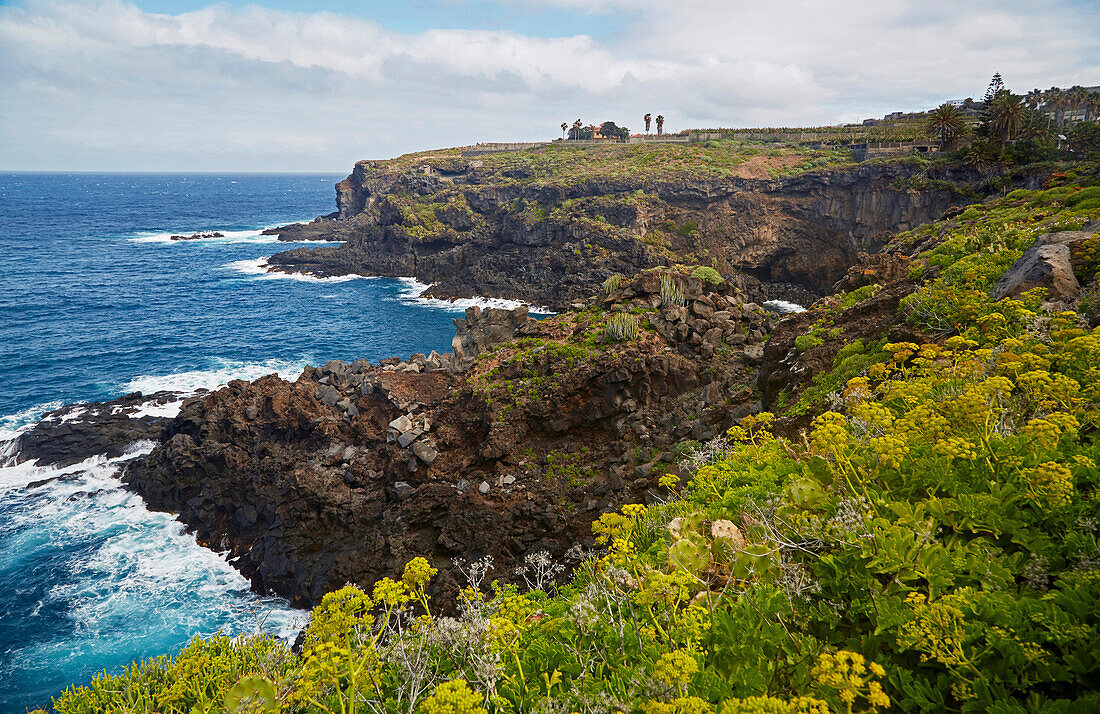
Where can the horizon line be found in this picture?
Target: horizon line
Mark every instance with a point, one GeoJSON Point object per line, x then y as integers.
{"type": "Point", "coordinates": [131, 172]}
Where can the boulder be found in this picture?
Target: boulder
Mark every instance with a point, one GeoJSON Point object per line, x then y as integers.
{"type": "Point", "coordinates": [1042, 266]}
{"type": "Point", "coordinates": [425, 452]}
{"type": "Point", "coordinates": [334, 366]}
{"type": "Point", "coordinates": [328, 395]}
{"type": "Point", "coordinates": [702, 309]}
{"type": "Point", "coordinates": [481, 330]}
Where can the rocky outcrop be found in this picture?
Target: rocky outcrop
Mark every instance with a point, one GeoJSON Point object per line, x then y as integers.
{"type": "Point", "coordinates": [199, 236]}
{"type": "Point", "coordinates": [351, 470]}
{"type": "Point", "coordinates": [1048, 264]}
{"type": "Point", "coordinates": [1045, 266]}
{"type": "Point", "coordinates": [73, 433]}
{"type": "Point", "coordinates": [468, 232]}
{"type": "Point", "coordinates": [478, 332]}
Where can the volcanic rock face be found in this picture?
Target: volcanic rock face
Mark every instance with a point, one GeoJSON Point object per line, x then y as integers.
{"type": "Point", "coordinates": [71, 434]}
{"type": "Point", "coordinates": [467, 233]}
{"type": "Point", "coordinates": [350, 471]}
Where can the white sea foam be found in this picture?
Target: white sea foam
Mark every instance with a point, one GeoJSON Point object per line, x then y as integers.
{"type": "Point", "coordinates": [258, 268]}
{"type": "Point", "coordinates": [13, 425]}
{"type": "Point", "coordinates": [224, 370]}
{"type": "Point", "coordinates": [151, 409]}
{"type": "Point", "coordinates": [783, 306]}
{"type": "Point", "coordinates": [246, 236]}
{"type": "Point", "coordinates": [134, 565]}
{"type": "Point", "coordinates": [249, 235]}
{"type": "Point", "coordinates": [413, 288]}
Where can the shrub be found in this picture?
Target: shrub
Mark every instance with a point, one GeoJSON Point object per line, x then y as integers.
{"type": "Point", "coordinates": [808, 341]}
{"type": "Point", "coordinates": [197, 679]}
{"type": "Point", "coordinates": [688, 229]}
{"type": "Point", "coordinates": [672, 292]}
{"type": "Point", "coordinates": [622, 327]}
{"type": "Point", "coordinates": [1085, 194]}
{"type": "Point", "coordinates": [612, 283]}
{"type": "Point", "coordinates": [707, 274]}
{"type": "Point", "coordinates": [858, 295]}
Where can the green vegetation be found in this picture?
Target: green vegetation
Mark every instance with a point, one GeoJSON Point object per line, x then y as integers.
{"type": "Point", "coordinates": [945, 122]}
{"type": "Point", "coordinates": [909, 128]}
{"type": "Point", "coordinates": [612, 283]}
{"type": "Point", "coordinates": [565, 166]}
{"type": "Point", "coordinates": [857, 296]}
{"type": "Point", "coordinates": [536, 368]}
{"type": "Point", "coordinates": [672, 291]}
{"type": "Point", "coordinates": [569, 468]}
{"type": "Point", "coordinates": [930, 545]}
{"type": "Point", "coordinates": [623, 327]}
{"type": "Point", "coordinates": [707, 274]}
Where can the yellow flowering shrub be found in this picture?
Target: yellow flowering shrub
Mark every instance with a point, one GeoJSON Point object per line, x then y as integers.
{"type": "Point", "coordinates": [850, 677]}
{"type": "Point", "coordinates": [675, 668]}
{"type": "Point", "coordinates": [774, 705]}
{"type": "Point", "coordinates": [454, 697]}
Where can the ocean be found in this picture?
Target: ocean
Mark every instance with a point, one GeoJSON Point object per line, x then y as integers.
{"type": "Point", "coordinates": [97, 302]}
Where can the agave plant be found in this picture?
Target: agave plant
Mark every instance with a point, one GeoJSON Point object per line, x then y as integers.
{"type": "Point", "coordinates": [672, 292]}
{"type": "Point", "coordinates": [623, 327]}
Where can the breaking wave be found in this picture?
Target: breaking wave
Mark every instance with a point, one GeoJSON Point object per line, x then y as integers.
{"type": "Point", "coordinates": [413, 288]}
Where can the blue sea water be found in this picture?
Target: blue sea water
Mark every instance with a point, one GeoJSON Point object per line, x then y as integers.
{"type": "Point", "coordinates": [96, 302]}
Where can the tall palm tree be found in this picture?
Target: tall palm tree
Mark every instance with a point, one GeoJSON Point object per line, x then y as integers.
{"type": "Point", "coordinates": [648, 118]}
{"type": "Point", "coordinates": [1056, 100]}
{"type": "Point", "coordinates": [946, 123]}
{"type": "Point", "coordinates": [1077, 97]}
{"type": "Point", "coordinates": [1092, 106]}
{"type": "Point", "coordinates": [1034, 99]}
{"type": "Point", "coordinates": [660, 124]}
{"type": "Point", "coordinates": [577, 129]}
{"type": "Point", "coordinates": [1004, 115]}
{"type": "Point", "coordinates": [564, 128]}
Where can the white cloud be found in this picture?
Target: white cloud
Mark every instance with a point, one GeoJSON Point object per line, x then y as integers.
{"type": "Point", "coordinates": [102, 84]}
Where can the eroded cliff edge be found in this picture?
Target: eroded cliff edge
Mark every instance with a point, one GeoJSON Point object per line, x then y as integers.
{"type": "Point", "coordinates": [352, 469]}
{"type": "Point", "coordinates": [531, 226]}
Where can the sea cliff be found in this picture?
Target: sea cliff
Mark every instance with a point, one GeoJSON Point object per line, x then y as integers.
{"type": "Point", "coordinates": [548, 226]}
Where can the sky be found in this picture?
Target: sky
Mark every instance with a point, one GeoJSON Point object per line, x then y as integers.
{"type": "Point", "coordinates": [277, 85]}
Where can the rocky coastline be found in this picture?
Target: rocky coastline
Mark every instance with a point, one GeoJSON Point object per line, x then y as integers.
{"type": "Point", "coordinates": [528, 430]}
{"type": "Point", "coordinates": [469, 232]}
{"type": "Point", "coordinates": [510, 444]}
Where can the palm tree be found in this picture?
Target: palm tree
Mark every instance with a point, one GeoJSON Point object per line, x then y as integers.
{"type": "Point", "coordinates": [945, 122]}
{"type": "Point", "coordinates": [577, 129]}
{"type": "Point", "coordinates": [648, 118]}
{"type": "Point", "coordinates": [1056, 100]}
{"type": "Point", "coordinates": [1092, 106]}
{"type": "Point", "coordinates": [564, 128]}
{"type": "Point", "coordinates": [1004, 115]}
{"type": "Point", "coordinates": [981, 155]}
{"type": "Point", "coordinates": [660, 124]}
{"type": "Point", "coordinates": [1077, 97]}
{"type": "Point", "coordinates": [1034, 99]}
